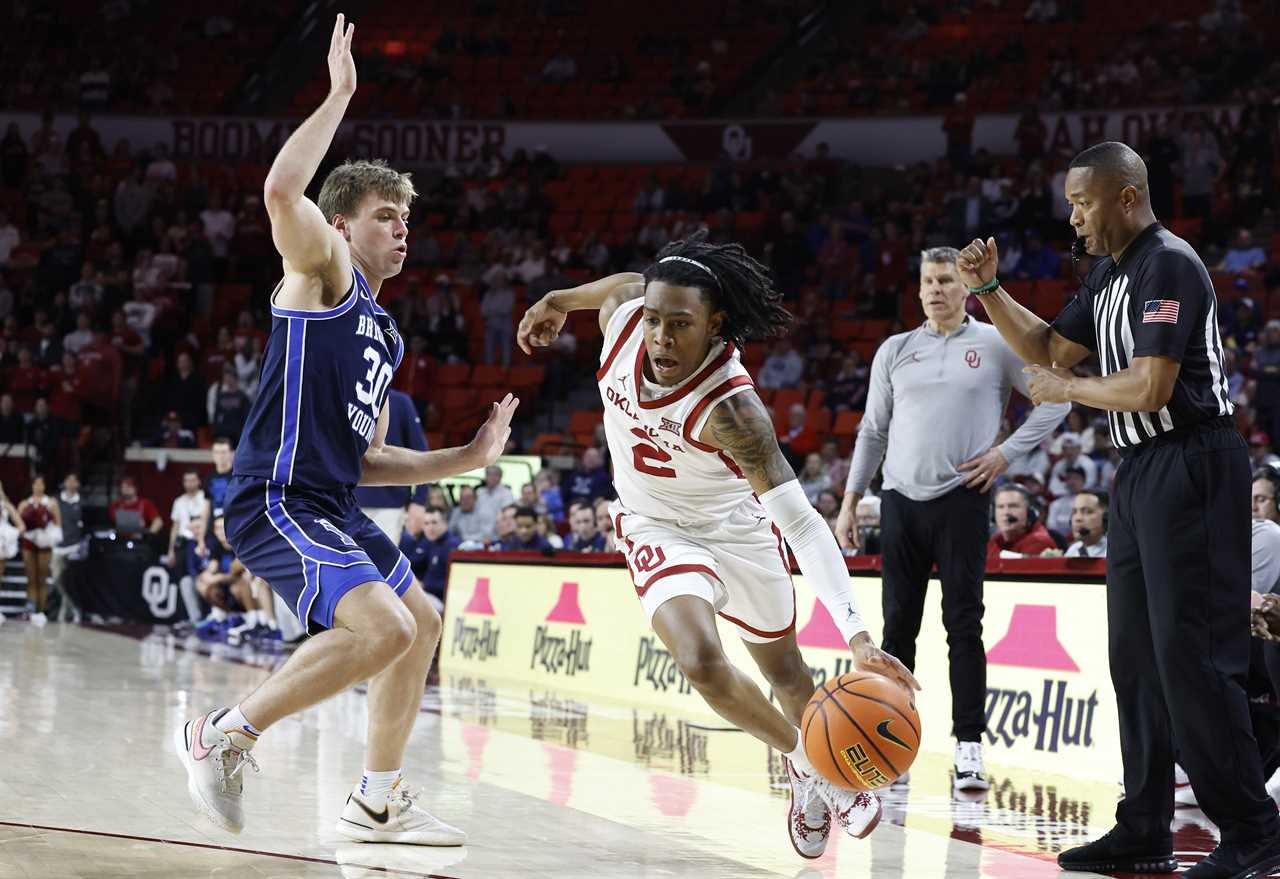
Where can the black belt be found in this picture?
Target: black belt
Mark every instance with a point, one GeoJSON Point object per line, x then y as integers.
{"type": "Point", "coordinates": [1218, 422]}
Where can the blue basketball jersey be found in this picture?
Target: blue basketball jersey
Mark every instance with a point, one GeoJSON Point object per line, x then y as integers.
{"type": "Point", "coordinates": [325, 376]}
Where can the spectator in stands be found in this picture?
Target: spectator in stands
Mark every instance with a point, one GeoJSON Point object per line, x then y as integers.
{"type": "Point", "coordinates": [12, 426]}
{"type": "Point", "coordinates": [216, 482]}
{"type": "Point", "coordinates": [230, 407]}
{"type": "Point", "coordinates": [188, 511]}
{"type": "Point", "coordinates": [828, 506]}
{"type": "Point", "coordinates": [1244, 255]}
{"type": "Point", "coordinates": [591, 480]}
{"type": "Point", "coordinates": [1260, 454]}
{"type": "Point", "coordinates": [492, 496]}
{"type": "Point", "coordinates": [814, 477]}
{"type": "Point", "coordinates": [968, 211]}
{"type": "Point", "coordinates": [547, 482]}
{"type": "Point", "coordinates": [1071, 457]}
{"type": "Point", "coordinates": [132, 515]}
{"type": "Point", "coordinates": [132, 203]}
{"type": "Point", "coordinates": [219, 228]}
{"type": "Point", "coordinates": [248, 363]}
{"type": "Point", "coordinates": [186, 394]}
{"type": "Point", "coordinates": [48, 350]}
{"type": "Point", "coordinates": [835, 464]}
{"type": "Point", "coordinates": [1200, 167]}
{"type": "Point", "coordinates": [525, 537]}
{"type": "Point", "coordinates": [44, 437]}
{"type": "Point", "coordinates": [1088, 525]}
{"type": "Point", "coordinates": [782, 369]}
{"type": "Point", "coordinates": [504, 526]}
{"type": "Point", "coordinates": [1039, 261]}
{"type": "Point", "coordinates": [86, 294]}
{"type": "Point", "coordinates": [1240, 328]}
{"type": "Point", "coordinates": [798, 440]}
{"type": "Point", "coordinates": [496, 307]}
{"type": "Point", "coordinates": [81, 336]}
{"type": "Point", "coordinates": [1266, 372]}
{"type": "Point", "coordinates": [41, 532]}
{"type": "Point", "coordinates": [547, 529]}
{"type": "Point", "coordinates": [1063, 506]}
{"type": "Point", "coordinates": [1019, 533]}
{"type": "Point", "coordinates": [604, 523]}
{"type": "Point", "coordinates": [867, 518]}
{"type": "Point", "coordinates": [847, 389]}
{"type": "Point", "coordinates": [467, 523]}
{"type": "Point", "coordinates": [71, 549]}
{"type": "Point", "coordinates": [173, 435]}
{"type": "Point", "coordinates": [427, 543]}
{"type": "Point", "coordinates": [14, 157]}
{"type": "Point", "coordinates": [444, 327]}
{"type": "Point", "coordinates": [27, 380]}
{"type": "Point", "coordinates": [586, 537]}
{"type": "Point", "coordinates": [529, 498]}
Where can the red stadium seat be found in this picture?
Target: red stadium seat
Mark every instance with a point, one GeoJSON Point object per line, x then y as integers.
{"type": "Point", "coordinates": [846, 424]}
{"type": "Point", "coordinates": [585, 421]}
{"type": "Point", "coordinates": [452, 374]}
{"type": "Point", "coordinates": [483, 376]}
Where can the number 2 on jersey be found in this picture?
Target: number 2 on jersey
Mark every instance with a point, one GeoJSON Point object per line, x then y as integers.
{"type": "Point", "coordinates": [644, 452]}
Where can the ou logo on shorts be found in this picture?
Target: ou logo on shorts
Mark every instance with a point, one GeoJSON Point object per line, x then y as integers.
{"type": "Point", "coordinates": [649, 557]}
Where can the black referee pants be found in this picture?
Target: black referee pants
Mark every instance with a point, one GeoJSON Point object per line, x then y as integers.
{"type": "Point", "coordinates": [950, 531]}
{"type": "Point", "coordinates": [1178, 620]}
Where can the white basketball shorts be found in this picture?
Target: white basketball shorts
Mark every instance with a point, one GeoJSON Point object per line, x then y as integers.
{"type": "Point", "coordinates": [738, 566]}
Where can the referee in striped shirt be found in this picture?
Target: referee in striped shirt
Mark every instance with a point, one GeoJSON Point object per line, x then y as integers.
{"type": "Point", "coordinates": [1178, 554]}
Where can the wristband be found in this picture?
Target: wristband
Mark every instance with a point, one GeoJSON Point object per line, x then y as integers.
{"type": "Point", "coordinates": [986, 288]}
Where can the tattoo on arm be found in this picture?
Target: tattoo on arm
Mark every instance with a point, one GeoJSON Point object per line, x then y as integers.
{"type": "Point", "coordinates": [741, 426]}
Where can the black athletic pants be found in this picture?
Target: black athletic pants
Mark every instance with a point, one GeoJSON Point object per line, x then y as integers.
{"type": "Point", "coordinates": [950, 531]}
{"type": "Point", "coordinates": [1178, 623]}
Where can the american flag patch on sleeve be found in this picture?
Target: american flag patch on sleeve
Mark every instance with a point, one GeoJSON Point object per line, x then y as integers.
{"type": "Point", "coordinates": [1160, 311]}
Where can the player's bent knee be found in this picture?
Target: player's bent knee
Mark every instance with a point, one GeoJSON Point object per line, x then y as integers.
{"type": "Point", "coordinates": [705, 666]}
{"type": "Point", "coordinates": [791, 674]}
{"type": "Point", "coordinates": [395, 635]}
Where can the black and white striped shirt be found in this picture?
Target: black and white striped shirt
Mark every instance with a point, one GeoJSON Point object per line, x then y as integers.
{"type": "Point", "coordinates": [1158, 301]}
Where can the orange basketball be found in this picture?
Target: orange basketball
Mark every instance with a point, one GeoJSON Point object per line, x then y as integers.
{"type": "Point", "coordinates": [861, 731]}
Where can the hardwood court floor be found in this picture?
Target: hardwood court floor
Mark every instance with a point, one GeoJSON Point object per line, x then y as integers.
{"type": "Point", "coordinates": [545, 783]}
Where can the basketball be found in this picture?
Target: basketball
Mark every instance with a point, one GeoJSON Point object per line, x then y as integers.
{"type": "Point", "coordinates": [861, 731]}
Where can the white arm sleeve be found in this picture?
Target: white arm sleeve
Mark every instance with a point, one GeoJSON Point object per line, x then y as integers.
{"type": "Point", "coordinates": [817, 552]}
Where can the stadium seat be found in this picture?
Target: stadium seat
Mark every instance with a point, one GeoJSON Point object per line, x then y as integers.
{"type": "Point", "coordinates": [585, 421]}
{"type": "Point", "coordinates": [452, 374]}
{"type": "Point", "coordinates": [846, 424]}
{"type": "Point", "coordinates": [484, 376]}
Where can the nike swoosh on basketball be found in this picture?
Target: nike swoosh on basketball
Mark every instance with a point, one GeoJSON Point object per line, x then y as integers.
{"type": "Point", "coordinates": [379, 817]}
{"type": "Point", "coordinates": [198, 750]}
{"type": "Point", "coordinates": [883, 728]}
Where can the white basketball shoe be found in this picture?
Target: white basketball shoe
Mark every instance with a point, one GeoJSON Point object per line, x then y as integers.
{"type": "Point", "coordinates": [970, 774]}
{"type": "Point", "coordinates": [857, 812]}
{"type": "Point", "coordinates": [400, 820]}
{"type": "Point", "coordinates": [808, 818]}
{"type": "Point", "coordinates": [214, 767]}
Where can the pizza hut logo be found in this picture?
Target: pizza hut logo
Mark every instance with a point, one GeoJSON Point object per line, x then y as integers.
{"type": "Point", "coordinates": [668, 424]}
{"type": "Point", "coordinates": [972, 358]}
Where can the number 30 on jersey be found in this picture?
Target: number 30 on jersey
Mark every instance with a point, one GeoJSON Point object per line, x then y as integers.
{"type": "Point", "coordinates": [369, 391]}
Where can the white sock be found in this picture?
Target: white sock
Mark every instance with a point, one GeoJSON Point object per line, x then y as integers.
{"type": "Point", "coordinates": [243, 734]}
{"type": "Point", "coordinates": [375, 787]}
{"type": "Point", "coordinates": [217, 614]}
{"type": "Point", "coordinates": [251, 618]}
{"type": "Point", "coordinates": [270, 624]}
{"type": "Point", "coordinates": [798, 758]}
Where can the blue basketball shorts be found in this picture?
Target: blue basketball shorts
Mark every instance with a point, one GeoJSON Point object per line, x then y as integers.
{"type": "Point", "coordinates": [312, 547]}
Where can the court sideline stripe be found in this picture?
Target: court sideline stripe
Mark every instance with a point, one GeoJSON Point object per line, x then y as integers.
{"type": "Point", "coordinates": [225, 848]}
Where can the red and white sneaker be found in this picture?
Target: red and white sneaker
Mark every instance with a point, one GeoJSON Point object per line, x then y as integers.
{"type": "Point", "coordinates": [857, 812]}
{"type": "Point", "coordinates": [808, 818]}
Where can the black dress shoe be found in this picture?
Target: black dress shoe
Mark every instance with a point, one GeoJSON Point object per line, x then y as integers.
{"type": "Point", "coordinates": [1234, 861]}
{"type": "Point", "coordinates": [1117, 853]}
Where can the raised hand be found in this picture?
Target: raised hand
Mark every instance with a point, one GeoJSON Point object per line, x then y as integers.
{"type": "Point", "coordinates": [342, 66]}
{"type": "Point", "coordinates": [977, 263]}
{"type": "Point", "coordinates": [491, 439]}
{"type": "Point", "coordinates": [540, 325]}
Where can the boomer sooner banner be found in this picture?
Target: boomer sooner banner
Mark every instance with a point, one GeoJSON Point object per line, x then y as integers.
{"type": "Point", "coordinates": [1049, 703]}
{"type": "Point", "coordinates": [415, 142]}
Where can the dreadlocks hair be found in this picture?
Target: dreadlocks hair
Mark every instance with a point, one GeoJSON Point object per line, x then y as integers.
{"type": "Point", "coordinates": [732, 280]}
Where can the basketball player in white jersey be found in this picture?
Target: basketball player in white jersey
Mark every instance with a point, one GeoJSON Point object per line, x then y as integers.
{"type": "Point", "coordinates": [706, 498]}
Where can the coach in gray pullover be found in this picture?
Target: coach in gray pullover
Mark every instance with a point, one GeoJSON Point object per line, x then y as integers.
{"type": "Point", "coordinates": [937, 396]}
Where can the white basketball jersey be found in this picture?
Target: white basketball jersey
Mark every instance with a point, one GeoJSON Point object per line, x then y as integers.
{"type": "Point", "coordinates": [660, 470]}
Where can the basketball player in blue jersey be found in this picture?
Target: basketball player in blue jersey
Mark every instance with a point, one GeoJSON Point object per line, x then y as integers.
{"type": "Point", "coordinates": [316, 430]}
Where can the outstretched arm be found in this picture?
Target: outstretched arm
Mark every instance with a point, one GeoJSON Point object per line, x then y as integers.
{"type": "Point", "coordinates": [301, 233]}
{"type": "Point", "coordinates": [542, 322]}
{"type": "Point", "coordinates": [740, 426]}
{"type": "Point", "coordinates": [395, 465]}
